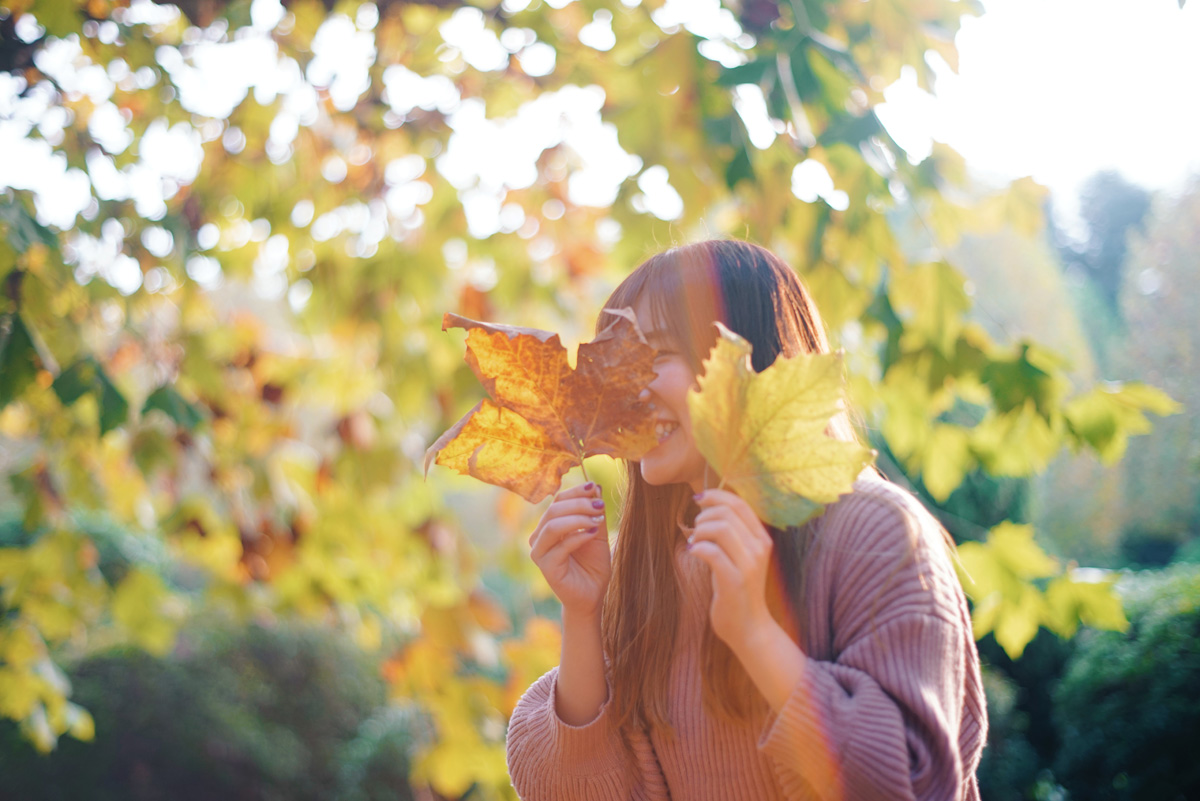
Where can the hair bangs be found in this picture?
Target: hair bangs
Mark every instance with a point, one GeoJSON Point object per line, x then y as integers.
{"type": "Point", "coordinates": [683, 289]}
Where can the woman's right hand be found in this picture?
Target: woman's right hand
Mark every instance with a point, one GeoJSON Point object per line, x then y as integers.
{"type": "Point", "coordinates": [570, 547]}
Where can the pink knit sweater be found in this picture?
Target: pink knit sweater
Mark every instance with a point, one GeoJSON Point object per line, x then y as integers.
{"type": "Point", "coordinates": [891, 705]}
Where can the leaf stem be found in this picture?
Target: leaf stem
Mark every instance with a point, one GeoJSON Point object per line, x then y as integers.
{"type": "Point", "coordinates": [720, 484]}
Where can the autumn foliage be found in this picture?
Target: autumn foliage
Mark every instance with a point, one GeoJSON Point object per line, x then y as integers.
{"type": "Point", "coordinates": [542, 417]}
{"type": "Point", "coordinates": [221, 369]}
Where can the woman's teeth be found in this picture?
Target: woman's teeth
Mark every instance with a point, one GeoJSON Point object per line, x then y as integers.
{"type": "Point", "coordinates": [662, 429]}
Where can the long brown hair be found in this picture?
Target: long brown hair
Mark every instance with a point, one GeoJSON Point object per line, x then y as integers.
{"type": "Point", "coordinates": [755, 294]}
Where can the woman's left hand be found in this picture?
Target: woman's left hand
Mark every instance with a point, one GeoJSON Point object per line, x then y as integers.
{"type": "Point", "coordinates": [733, 542]}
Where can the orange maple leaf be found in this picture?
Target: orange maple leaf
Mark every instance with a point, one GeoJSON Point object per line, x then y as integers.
{"type": "Point", "coordinates": [541, 417]}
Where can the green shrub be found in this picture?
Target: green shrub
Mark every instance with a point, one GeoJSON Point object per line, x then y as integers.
{"type": "Point", "coordinates": [1128, 707]}
{"type": "Point", "coordinates": [374, 765]}
{"type": "Point", "coordinates": [257, 713]}
{"type": "Point", "coordinates": [1010, 765]}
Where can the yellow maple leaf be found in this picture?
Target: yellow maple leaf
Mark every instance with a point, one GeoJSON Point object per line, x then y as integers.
{"type": "Point", "coordinates": [765, 433]}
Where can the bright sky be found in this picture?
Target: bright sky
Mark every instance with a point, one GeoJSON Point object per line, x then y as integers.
{"type": "Point", "coordinates": [1059, 89]}
{"type": "Point", "coordinates": [1056, 89]}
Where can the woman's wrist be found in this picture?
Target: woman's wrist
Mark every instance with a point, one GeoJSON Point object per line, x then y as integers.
{"type": "Point", "coordinates": [772, 660]}
{"type": "Point", "coordinates": [573, 616]}
{"type": "Point", "coordinates": [757, 638]}
{"type": "Point", "coordinates": [582, 688]}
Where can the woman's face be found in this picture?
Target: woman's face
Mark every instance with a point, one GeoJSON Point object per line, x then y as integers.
{"type": "Point", "coordinates": [675, 460]}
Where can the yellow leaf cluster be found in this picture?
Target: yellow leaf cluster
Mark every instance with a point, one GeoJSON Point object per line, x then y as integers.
{"type": "Point", "coordinates": [1000, 574]}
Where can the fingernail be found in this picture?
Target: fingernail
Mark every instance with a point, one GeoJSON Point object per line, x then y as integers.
{"type": "Point", "coordinates": [599, 504]}
{"type": "Point", "coordinates": [589, 485]}
{"type": "Point", "coordinates": [598, 518]}
{"type": "Point", "coordinates": [691, 540]}
{"type": "Point", "coordinates": [593, 529]}
{"type": "Point", "coordinates": [699, 496]}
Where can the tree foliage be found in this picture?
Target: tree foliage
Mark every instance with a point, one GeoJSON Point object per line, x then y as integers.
{"type": "Point", "coordinates": [1112, 208]}
{"type": "Point", "coordinates": [1161, 482]}
{"type": "Point", "coordinates": [234, 348]}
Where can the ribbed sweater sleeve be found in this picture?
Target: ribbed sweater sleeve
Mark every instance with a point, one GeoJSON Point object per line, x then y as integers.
{"type": "Point", "coordinates": [549, 760]}
{"type": "Point", "coordinates": [882, 719]}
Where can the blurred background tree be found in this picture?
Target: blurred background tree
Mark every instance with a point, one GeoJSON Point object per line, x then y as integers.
{"type": "Point", "coordinates": [220, 356]}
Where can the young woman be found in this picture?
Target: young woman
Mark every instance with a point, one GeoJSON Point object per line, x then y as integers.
{"type": "Point", "coordinates": [709, 656]}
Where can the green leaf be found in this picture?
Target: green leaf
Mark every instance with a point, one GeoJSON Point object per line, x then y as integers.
{"type": "Point", "coordinates": [1014, 547]}
{"type": "Point", "coordinates": [1143, 397]}
{"type": "Point", "coordinates": [1093, 603]}
{"type": "Point", "coordinates": [808, 87]}
{"type": "Point", "coordinates": [931, 300]}
{"type": "Point", "coordinates": [837, 55]}
{"type": "Point", "coordinates": [1033, 373]}
{"type": "Point", "coordinates": [811, 14]}
{"type": "Point", "coordinates": [141, 605]}
{"type": "Point", "coordinates": [151, 449]}
{"type": "Point", "coordinates": [882, 312]}
{"type": "Point", "coordinates": [750, 72]}
{"type": "Point", "coordinates": [79, 723]}
{"type": "Point", "coordinates": [114, 409]}
{"type": "Point", "coordinates": [765, 433]}
{"type": "Point", "coordinates": [946, 461]}
{"type": "Point", "coordinates": [720, 131]}
{"type": "Point", "coordinates": [851, 129]}
{"type": "Point", "coordinates": [835, 83]}
{"type": "Point", "coordinates": [23, 230]}
{"type": "Point", "coordinates": [87, 376]}
{"type": "Point", "coordinates": [1019, 623]}
{"type": "Point", "coordinates": [740, 169]}
{"type": "Point", "coordinates": [998, 576]}
{"type": "Point", "coordinates": [1016, 443]}
{"type": "Point", "coordinates": [59, 17]}
{"type": "Point", "coordinates": [76, 381]}
{"type": "Point", "coordinates": [167, 400]}
{"type": "Point", "coordinates": [1106, 417]}
{"type": "Point", "coordinates": [18, 358]}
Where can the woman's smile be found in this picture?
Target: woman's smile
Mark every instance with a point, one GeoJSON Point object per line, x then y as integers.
{"type": "Point", "coordinates": [663, 429]}
{"type": "Point", "coordinates": [676, 459]}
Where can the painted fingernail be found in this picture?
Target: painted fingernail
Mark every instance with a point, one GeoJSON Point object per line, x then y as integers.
{"type": "Point", "coordinates": [592, 530]}
{"type": "Point", "coordinates": [599, 504]}
{"type": "Point", "coordinates": [589, 485]}
{"type": "Point", "coordinates": [598, 518]}
{"type": "Point", "coordinates": [699, 496]}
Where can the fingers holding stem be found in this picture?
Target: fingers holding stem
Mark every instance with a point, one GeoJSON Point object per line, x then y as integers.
{"type": "Point", "coordinates": [728, 534]}
{"type": "Point", "coordinates": [575, 516]}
